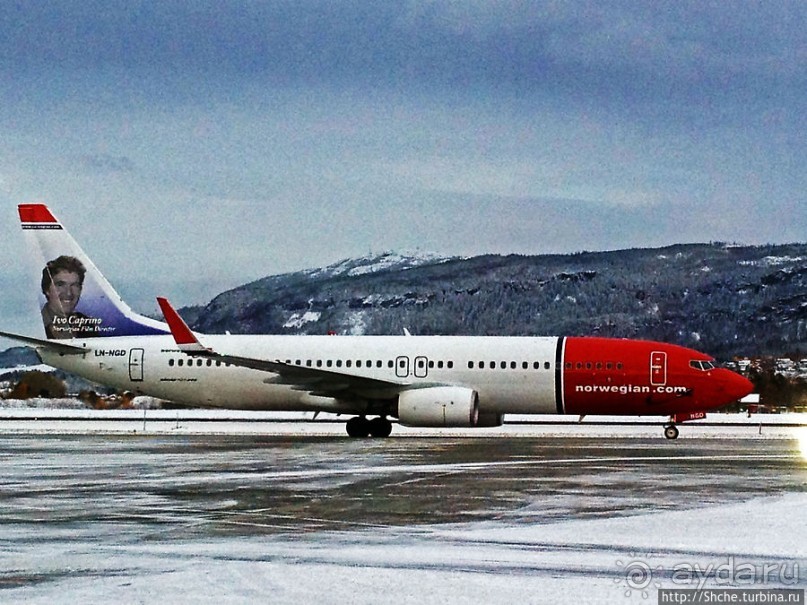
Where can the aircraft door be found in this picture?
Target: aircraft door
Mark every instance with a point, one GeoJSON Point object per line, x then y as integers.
{"type": "Point", "coordinates": [658, 368]}
{"type": "Point", "coordinates": [421, 367]}
{"type": "Point", "coordinates": [402, 366]}
{"type": "Point", "coordinates": [136, 365]}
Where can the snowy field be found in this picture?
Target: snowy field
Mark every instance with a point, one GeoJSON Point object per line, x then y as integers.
{"type": "Point", "coordinates": [284, 516]}
{"type": "Point", "coordinates": [47, 416]}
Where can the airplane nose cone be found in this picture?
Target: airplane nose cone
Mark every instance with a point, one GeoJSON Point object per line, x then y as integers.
{"type": "Point", "coordinates": [737, 387]}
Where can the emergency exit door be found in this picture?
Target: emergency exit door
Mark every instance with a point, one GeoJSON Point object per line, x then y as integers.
{"type": "Point", "coordinates": [136, 365]}
{"type": "Point", "coordinates": [658, 368]}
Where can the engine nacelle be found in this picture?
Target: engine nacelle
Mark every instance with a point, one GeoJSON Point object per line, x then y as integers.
{"type": "Point", "coordinates": [439, 407]}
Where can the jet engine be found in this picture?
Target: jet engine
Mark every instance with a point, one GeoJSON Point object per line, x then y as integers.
{"type": "Point", "coordinates": [439, 407]}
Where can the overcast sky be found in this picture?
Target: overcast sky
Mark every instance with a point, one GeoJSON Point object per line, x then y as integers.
{"type": "Point", "coordinates": [194, 146]}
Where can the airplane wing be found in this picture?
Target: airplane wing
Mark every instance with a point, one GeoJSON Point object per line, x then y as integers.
{"type": "Point", "coordinates": [59, 347]}
{"type": "Point", "coordinates": [316, 381]}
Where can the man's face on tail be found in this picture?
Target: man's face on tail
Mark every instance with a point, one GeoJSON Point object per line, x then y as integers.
{"type": "Point", "coordinates": [64, 292]}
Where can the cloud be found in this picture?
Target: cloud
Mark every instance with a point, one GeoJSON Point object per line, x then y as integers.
{"type": "Point", "coordinates": [321, 129]}
{"type": "Point", "coordinates": [531, 41]}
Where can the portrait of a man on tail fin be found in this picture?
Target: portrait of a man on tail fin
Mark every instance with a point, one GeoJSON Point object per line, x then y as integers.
{"type": "Point", "coordinates": [62, 283]}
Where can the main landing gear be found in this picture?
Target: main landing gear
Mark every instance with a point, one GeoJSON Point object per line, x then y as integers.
{"type": "Point", "coordinates": [360, 426]}
{"type": "Point", "coordinates": [671, 431]}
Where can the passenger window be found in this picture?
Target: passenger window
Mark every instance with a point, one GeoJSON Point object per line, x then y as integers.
{"type": "Point", "coordinates": [450, 364]}
{"type": "Point", "coordinates": [547, 365]}
{"type": "Point", "coordinates": [171, 363]}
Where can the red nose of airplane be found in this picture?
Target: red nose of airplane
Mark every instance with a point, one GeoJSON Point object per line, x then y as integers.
{"type": "Point", "coordinates": [735, 386]}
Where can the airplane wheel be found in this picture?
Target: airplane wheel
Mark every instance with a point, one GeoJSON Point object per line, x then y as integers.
{"type": "Point", "coordinates": [671, 431]}
{"type": "Point", "coordinates": [380, 427]}
{"type": "Point", "coordinates": [358, 426]}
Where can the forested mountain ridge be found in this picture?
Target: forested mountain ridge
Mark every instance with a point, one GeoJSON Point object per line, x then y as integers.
{"type": "Point", "coordinates": [723, 299]}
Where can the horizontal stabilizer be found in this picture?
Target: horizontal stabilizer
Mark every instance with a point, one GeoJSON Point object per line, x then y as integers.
{"type": "Point", "coordinates": [59, 347]}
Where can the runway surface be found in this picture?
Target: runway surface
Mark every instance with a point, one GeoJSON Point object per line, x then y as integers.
{"type": "Point", "coordinates": [296, 519]}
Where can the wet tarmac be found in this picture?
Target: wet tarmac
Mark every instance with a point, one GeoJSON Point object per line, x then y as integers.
{"type": "Point", "coordinates": [227, 518]}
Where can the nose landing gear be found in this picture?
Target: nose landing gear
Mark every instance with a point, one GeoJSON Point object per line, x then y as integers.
{"type": "Point", "coordinates": [671, 431]}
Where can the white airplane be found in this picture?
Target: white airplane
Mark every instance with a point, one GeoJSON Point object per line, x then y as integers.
{"type": "Point", "coordinates": [423, 381]}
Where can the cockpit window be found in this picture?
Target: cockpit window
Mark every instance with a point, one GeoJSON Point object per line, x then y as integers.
{"type": "Point", "coordinates": [704, 366]}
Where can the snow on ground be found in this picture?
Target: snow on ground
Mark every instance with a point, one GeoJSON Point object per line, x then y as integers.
{"type": "Point", "coordinates": [356, 325]}
{"type": "Point", "coordinates": [100, 520]}
{"type": "Point", "coordinates": [298, 320]}
{"type": "Point", "coordinates": [575, 561]}
{"type": "Point", "coordinates": [41, 367]}
{"type": "Point", "coordinates": [770, 261]}
{"type": "Point", "coordinates": [72, 415]}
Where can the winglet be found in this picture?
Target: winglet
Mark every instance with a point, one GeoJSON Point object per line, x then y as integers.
{"type": "Point", "coordinates": [185, 339]}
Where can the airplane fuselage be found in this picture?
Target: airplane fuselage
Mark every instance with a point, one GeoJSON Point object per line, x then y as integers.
{"type": "Point", "coordinates": [521, 375]}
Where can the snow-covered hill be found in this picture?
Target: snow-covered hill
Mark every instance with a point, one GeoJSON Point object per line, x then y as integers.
{"type": "Point", "coordinates": [387, 261]}
{"type": "Point", "coordinates": [727, 300]}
